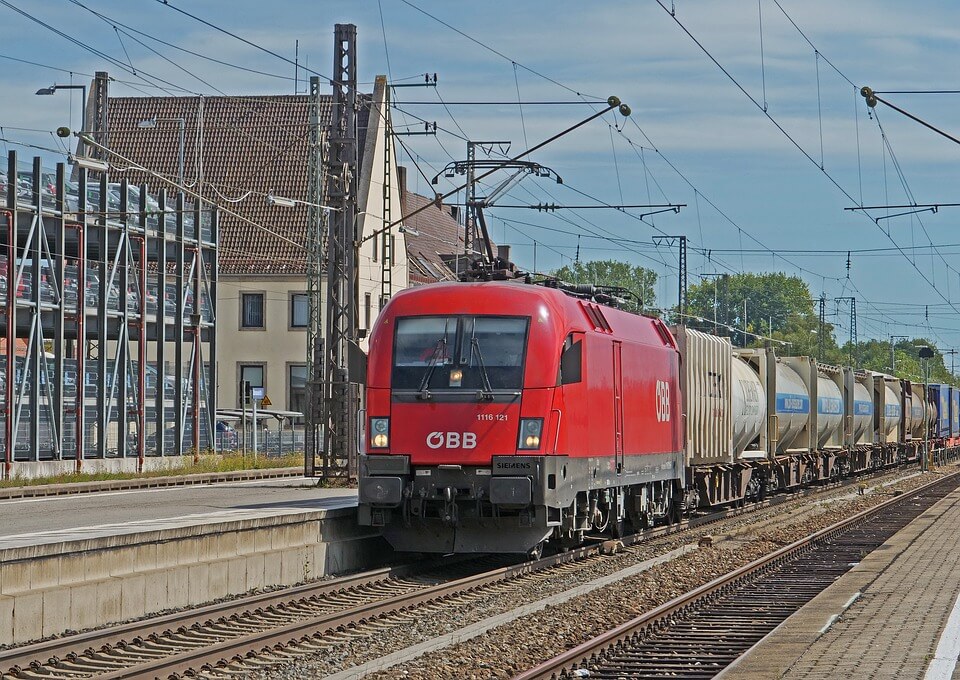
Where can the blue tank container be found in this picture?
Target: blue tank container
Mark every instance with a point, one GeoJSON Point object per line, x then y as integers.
{"type": "Point", "coordinates": [954, 411]}
{"type": "Point", "coordinates": [940, 395]}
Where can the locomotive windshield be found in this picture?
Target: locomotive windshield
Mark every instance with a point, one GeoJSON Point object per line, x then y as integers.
{"type": "Point", "coordinates": [474, 353]}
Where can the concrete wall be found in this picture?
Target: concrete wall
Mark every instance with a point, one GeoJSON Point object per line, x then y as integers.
{"type": "Point", "coordinates": [48, 589]}
{"type": "Point", "coordinates": [50, 468]}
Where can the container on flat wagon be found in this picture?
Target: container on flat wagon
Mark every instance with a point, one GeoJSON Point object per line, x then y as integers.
{"type": "Point", "coordinates": [724, 403]}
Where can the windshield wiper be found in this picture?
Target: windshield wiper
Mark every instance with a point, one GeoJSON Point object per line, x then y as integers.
{"type": "Point", "coordinates": [438, 351]}
{"type": "Point", "coordinates": [487, 392]}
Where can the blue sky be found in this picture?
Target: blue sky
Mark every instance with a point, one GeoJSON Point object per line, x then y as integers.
{"type": "Point", "coordinates": [694, 136]}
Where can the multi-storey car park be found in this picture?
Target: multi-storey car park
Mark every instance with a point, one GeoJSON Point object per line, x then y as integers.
{"type": "Point", "coordinates": [120, 368]}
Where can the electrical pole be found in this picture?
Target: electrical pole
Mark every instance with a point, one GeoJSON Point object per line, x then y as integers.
{"type": "Point", "coordinates": [342, 368]}
{"type": "Point", "coordinates": [821, 342]}
{"type": "Point", "coordinates": [852, 353]}
{"type": "Point", "coordinates": [682, 274]}
{"type": "Point", "coordinates": [952, 353]}
{"type": "Point", "coordinates": [317, 223]}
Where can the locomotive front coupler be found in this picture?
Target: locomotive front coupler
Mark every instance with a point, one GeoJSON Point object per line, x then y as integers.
{"type": "Point", "coordinates": [450, 514]}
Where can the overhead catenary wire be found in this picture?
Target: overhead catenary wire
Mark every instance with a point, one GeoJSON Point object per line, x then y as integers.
{"type": "Point", "coordinates": [785, 133]}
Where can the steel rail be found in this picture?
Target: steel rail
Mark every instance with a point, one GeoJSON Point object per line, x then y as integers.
{"type": "Point", "coordinates": [23, 656]}
{"type": "Point", "coordinates": [575, 657]}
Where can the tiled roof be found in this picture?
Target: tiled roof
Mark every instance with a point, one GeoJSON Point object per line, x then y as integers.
{"type": "Point", "coordinates": [247, 144]}
{"type": "Point", "coordinates": [439, 234]}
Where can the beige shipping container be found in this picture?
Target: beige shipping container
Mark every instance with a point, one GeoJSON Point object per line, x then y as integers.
{"type": "Point", "coordinates": [706, 378]}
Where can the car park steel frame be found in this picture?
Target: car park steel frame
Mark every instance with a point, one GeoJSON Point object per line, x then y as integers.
{"type": "Point", "coordinates": [91, 381]}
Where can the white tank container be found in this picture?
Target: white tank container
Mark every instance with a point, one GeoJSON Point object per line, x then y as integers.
{"type": "Point", "coordinates": [793, 406]}
{"type": "Point", "coordinates": [748, 403]}
{"type": "Point", "coordinates": [891, 411]}
{"type": "Point", "coordinates": [829, 410]}
{"type": "Point", "coordinates": [862, 412]}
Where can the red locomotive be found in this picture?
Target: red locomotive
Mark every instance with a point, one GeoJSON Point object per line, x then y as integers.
{"type": "Point", "coordinates": [501, 414]}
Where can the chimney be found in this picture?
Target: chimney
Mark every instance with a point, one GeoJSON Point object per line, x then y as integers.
{"type": "Point", "coordinates": [503, 252]}
{"type": "Point", "coordinates": [402, 179]}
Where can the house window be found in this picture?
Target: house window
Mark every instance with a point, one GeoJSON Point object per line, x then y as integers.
{"type": "Point", "coordinates": [297, 387]}
{"type": "Point", "coordinates": [255, 374]}
{"type": "Point", "coordinates": [251, 310]}
{"type": "Point", "coordinates": [299, 310]}
{"type": "Point", "coordinates": [367, 304]}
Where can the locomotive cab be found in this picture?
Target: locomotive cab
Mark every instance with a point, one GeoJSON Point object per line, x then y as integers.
{"type": "Point", "coordinates": [453, 451]}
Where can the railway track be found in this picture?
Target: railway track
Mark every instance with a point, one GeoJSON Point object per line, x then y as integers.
{"type": "Point", "coordinates": [699, 634]}
{"type": "Point", "coordinates": [241, 635]}
{"type": "Point", "coordinates": [238, 636]}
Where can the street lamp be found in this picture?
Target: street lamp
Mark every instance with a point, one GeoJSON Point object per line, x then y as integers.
{"type": "Point", "coordinates": [83, 108]}
{"type": "Point", "coordinates": [285, 202]}
{"type": "Point", "coordinates": [893, 356]}
{"type": "Point", "coordinates": [151, 123]}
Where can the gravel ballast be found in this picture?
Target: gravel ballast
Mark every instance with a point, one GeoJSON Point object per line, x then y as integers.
{"type": "Point", "coordinates": [571, 616]}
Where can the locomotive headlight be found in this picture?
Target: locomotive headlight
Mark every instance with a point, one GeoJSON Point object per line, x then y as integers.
{"type": "Point", "coordinates": [380, 433]}
{"type": "Point", "coordinates": [530, 431]}
{"type": "Point", "coordinates": [456, 377]}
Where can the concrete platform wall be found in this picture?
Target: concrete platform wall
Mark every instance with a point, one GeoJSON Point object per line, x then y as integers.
{"type": "Point", "coordinates": [49, 589]}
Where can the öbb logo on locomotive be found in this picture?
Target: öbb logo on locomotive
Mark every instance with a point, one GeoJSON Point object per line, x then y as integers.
{"type": "Point", "coordinates": [663, 401]}
{"type": "Point", "coordinates": [452, 440]}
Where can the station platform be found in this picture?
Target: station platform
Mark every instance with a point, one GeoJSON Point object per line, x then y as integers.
{"type": "Point", "coordinates": [896, 614]}
{"type": "Point", "coordinates": [81, 561]}
{"type": "Point", "coordinates": [32, 521]}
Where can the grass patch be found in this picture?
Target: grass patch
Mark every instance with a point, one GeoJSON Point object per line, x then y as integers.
{"type": "Point", "coordinates": [208, 462]}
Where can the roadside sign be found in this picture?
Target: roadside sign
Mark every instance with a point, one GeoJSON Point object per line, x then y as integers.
{"type": "Point", "coordinates": [258, 393]}
{"type": "Point", "coordinates": [266, 401]}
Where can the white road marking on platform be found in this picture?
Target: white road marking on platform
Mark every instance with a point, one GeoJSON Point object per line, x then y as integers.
{"type": "Point", "coordinates": [833, 619]}
{"type": "Point", "coordinates": [152, 489]}
{"type": "Point", "coordinates": [829, 623]}
{"type": "Point", "coordinates": [948, 649]}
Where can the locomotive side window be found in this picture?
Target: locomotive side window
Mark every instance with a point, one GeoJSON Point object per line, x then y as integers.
{"type": "Point", "coordinates": [459, 353]}
{"type": "Point", "coordinates": [571, 361]}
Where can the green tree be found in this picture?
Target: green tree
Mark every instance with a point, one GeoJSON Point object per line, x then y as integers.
{"type": "Point", "coordinates": [638, 280]}
{"type": "Point", "coordinates": [874, 355]}
{"type": "Point", "coordinates": [773, 305]}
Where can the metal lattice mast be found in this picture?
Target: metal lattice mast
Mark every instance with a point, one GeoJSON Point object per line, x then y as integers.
{"type": "Point", "coordinates": [853, 331]}
{"type": "Point", "coordinates": [852, 351]}
{"type": "Point", "coordinates": [315, 258]}
{"type": "Point", "coordinates": [340, 388]}
{"type": "Point", "coordinates": [823, 323]}
{"type": "Point", "coordinates": [470, 236]}
{"type": "Point", "coordinates": [386, 272]}
{"type": "Point", "coordinates": [682, 274]}
{"type": "Point", "coordinates": [682, 294]}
